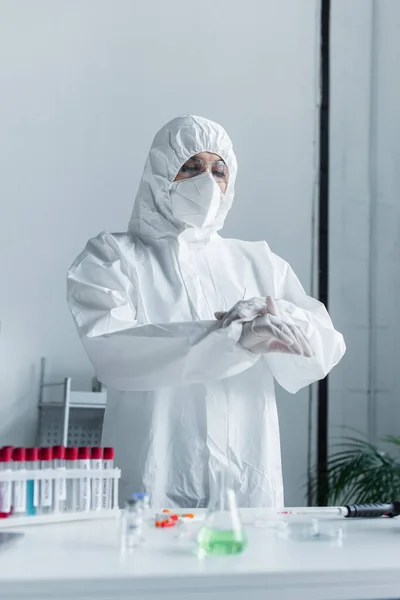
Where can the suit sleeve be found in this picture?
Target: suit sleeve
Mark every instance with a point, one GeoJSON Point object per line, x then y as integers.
{"type": "Point", "coordinates": [295, 372]}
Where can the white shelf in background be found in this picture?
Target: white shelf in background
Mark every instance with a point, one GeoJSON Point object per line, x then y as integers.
{"type": "Point", "coordinates": [81, 400]}
{"type": "Point", "coordinates": [88, 399]}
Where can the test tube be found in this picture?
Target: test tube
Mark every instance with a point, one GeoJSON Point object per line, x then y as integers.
{"type": "Point", "coordinates": [46, 485]}
{"type": "Point", "coordinates": [19, 491]}
{"type": "Point", "coordinates": [84, 483]}
{"type": "Point", "coordinates": [108, 463]}
{"type": "Point", "coordinates": [71, 460]}
{"type": "Point", "coordinates": [132, 524]}
{"type": "Point", "coordinates": [5, 486]}
{"type": "Point", "coordinates": [96, 463]}
{"type": "Point", "coordinates": [32, 486]}
{"type": "Point", "coordinates": [60, 485]}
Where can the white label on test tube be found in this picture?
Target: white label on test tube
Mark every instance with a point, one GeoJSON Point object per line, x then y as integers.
{"type": "Point", "coordinates": [84, 483]}
{"type": "Point", "coordinates": [96, 464]}
{"type": "Point", "coordinates": [19, 495]}
{"type": "Point", "coordinates": [35, 494]}
{"type": "Point", "coordinates": [46, 492]}
{"type": "Point", "coordinates": [60, 486]}
{"type": "Point", "coordinates": [46, 485]}
{"type": "Point", "coordinates": [72, 503]}
{"type": "Point", "coordinates": [5, 486]}
{"type": "Point", "coordinates": [19, 501]}
{"type": "Point", "coordinates": [106, 488]}
{"type": "Point", "coordinates": [5, 494]}
{"type": "Point", "coordinates": [63, 487]}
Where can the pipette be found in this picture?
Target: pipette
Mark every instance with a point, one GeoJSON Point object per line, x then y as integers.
{"type": "Point", "coordinates": [351, 511]}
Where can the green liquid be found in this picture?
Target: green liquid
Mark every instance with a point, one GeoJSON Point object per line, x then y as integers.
{"type": "Point", "coordinates": [220, 542]}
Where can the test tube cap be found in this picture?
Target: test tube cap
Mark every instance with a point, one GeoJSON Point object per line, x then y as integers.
{"type": "Point", "coordinates": [45, 453]}
{"type": "Point", "coordinates": [32, 454]}
{"type": "Point", "coordinates": [19, 454]}
{"type": "Point", "coordinates": [108, 453]}
{"type": "Point", "coordinates": [71, 453]}
{"type": "Point", "coordinates": [59, 452]}
{"type": "Point", "coordinates": [84, 452]}
{"type": "Point", "coordinates": [6, 454]}
{"type": "Point", "coordinates": [96, 453]}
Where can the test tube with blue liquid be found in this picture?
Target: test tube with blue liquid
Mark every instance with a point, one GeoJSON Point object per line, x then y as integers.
{"type": "Point", "coordinates": [32, 486]}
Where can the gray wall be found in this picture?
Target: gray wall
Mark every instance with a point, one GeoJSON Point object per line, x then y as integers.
{"type": "Point", "coordinates": [86, 84]}
{"type": "Point", "coordinates": [365, 214]}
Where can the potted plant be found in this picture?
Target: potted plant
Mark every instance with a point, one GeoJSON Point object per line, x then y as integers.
{"type": "Point", "coordinates": [359, 473]}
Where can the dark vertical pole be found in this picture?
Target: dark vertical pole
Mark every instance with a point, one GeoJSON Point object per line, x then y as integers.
{"type": "Point", "coordinates": [323, 246]}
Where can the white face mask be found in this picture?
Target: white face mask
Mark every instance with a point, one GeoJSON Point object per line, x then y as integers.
{"type": "Point", "coordinates": [195, 201]}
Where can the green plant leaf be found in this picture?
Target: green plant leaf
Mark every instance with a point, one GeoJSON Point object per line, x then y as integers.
{"type": "Point", "coordinates": [392, 440]}
{"type": "Point", "coordinates": [359, 472]}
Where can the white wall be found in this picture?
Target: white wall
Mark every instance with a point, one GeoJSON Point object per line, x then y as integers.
{"type": "Point", "coordinates": [86, 84]}
{"type": "Point", "coordinates": [387, 217]}
{"type": "Point", "coordinates": [349, 206]}
{"type": "Point", "coordinates": [365, 214]}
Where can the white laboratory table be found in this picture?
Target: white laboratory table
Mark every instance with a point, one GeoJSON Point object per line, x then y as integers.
{"type": "Point", "coordinates": [83, 561]}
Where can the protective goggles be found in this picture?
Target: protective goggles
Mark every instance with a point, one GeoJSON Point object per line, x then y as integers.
{"type": "Point", "coordinates": [197, 165]}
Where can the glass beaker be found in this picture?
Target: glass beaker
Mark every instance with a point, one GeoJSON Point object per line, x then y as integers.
{"type": "Point", "coordinates": [222, 532]}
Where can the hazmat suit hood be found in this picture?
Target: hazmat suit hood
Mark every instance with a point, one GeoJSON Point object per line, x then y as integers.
{"type": "Point", "coordinates": [174, 144]}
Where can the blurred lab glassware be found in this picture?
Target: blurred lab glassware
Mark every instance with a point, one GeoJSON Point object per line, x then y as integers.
{"type": "Point", "coordinates": [222, 532]}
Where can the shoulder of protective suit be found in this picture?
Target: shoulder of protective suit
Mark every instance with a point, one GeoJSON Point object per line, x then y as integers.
{"type": "Point", "coordinates": [261, 248]}
{"type": "Point", "coordinates": [236, 244]}
{"type": "Point", "coordinates": [256, 251]}
{"type": "Point", "coordinates": [105, 247]}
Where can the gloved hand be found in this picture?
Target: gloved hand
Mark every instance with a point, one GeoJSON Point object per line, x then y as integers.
{"type": "Point", "coordinates": [244, 311]}
{"type": "Point", "coordinates": [271, 333]}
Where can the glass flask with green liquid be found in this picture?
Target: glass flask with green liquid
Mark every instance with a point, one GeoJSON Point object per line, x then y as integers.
{"type": "Point", "coordinates": [222, 532]}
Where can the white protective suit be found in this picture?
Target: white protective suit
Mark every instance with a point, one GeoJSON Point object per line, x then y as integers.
{"type": "Point", "coordinates": [184, 397]}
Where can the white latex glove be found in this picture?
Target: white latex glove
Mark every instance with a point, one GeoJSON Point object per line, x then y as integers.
{"type": "Point", "coordinates": [271, 333]}
{"type": "Point", "coordinates": [243, 311]}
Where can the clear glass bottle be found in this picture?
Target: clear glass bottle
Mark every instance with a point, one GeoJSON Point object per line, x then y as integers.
{"type": "Point", "coordinates": [222, 532]}
{"type": "Point", "coordinates": [143, 501]}
{"type": "Point", "coordinates": [132, 524]}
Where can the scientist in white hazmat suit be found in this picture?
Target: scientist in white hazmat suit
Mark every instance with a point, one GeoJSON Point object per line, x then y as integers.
{"type": "Point", "coordinates": [188, 331]}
